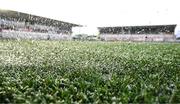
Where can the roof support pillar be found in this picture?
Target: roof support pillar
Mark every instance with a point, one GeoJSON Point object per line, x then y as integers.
{"type": "Point", "coordinates": [122, 30]}
{"type": "Point", "coordinates": [129, 30]}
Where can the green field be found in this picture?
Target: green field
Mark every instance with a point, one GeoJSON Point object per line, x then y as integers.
{"type": "Point", "coordinates": [89, 72]}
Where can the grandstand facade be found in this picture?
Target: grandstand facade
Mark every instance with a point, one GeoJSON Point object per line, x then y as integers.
{"type": "Point", "coordinates": [16, 22]}
{"type": "Point", "coordinates": [138, 33]}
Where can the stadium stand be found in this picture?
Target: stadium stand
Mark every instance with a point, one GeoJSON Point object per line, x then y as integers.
{"type": "Point", "coordinates": [18, 21]}
{"type": "Point", "coordinates": [138, 33]}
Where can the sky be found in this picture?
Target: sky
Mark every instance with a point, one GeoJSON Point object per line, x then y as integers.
{"type": "Point", "coordinates": [101, 13]}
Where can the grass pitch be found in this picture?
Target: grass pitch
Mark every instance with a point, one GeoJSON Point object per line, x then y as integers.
{"type": "Point", "coordinates": [89, 72]}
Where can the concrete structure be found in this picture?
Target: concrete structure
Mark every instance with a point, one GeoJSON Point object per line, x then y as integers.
{"type": "Point", "coordinates": [138, 33]}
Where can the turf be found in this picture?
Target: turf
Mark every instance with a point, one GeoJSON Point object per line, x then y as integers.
{"type": "Point", "coordinates": [89, 72]}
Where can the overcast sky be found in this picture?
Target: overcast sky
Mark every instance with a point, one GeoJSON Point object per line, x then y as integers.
{"type": "Point", "coordinates": [101, 12]}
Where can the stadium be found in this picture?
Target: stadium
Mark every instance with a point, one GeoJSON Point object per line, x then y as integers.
{"type": "Point", "coordinates": [18, 25]}
{"type": "Point", "coordinates": [138, 33]}
{"type": "Point", "coordinates": [89, 52]}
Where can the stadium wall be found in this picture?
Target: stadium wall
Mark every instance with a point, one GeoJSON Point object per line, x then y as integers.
{"type": "Point", "coordinates": [33, 35]}
{"type": "Point", "coordinates": [139, 37]}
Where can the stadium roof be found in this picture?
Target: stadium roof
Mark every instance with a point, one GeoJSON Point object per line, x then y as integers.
{"type": "Point", "coordinates": [140, 26]}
